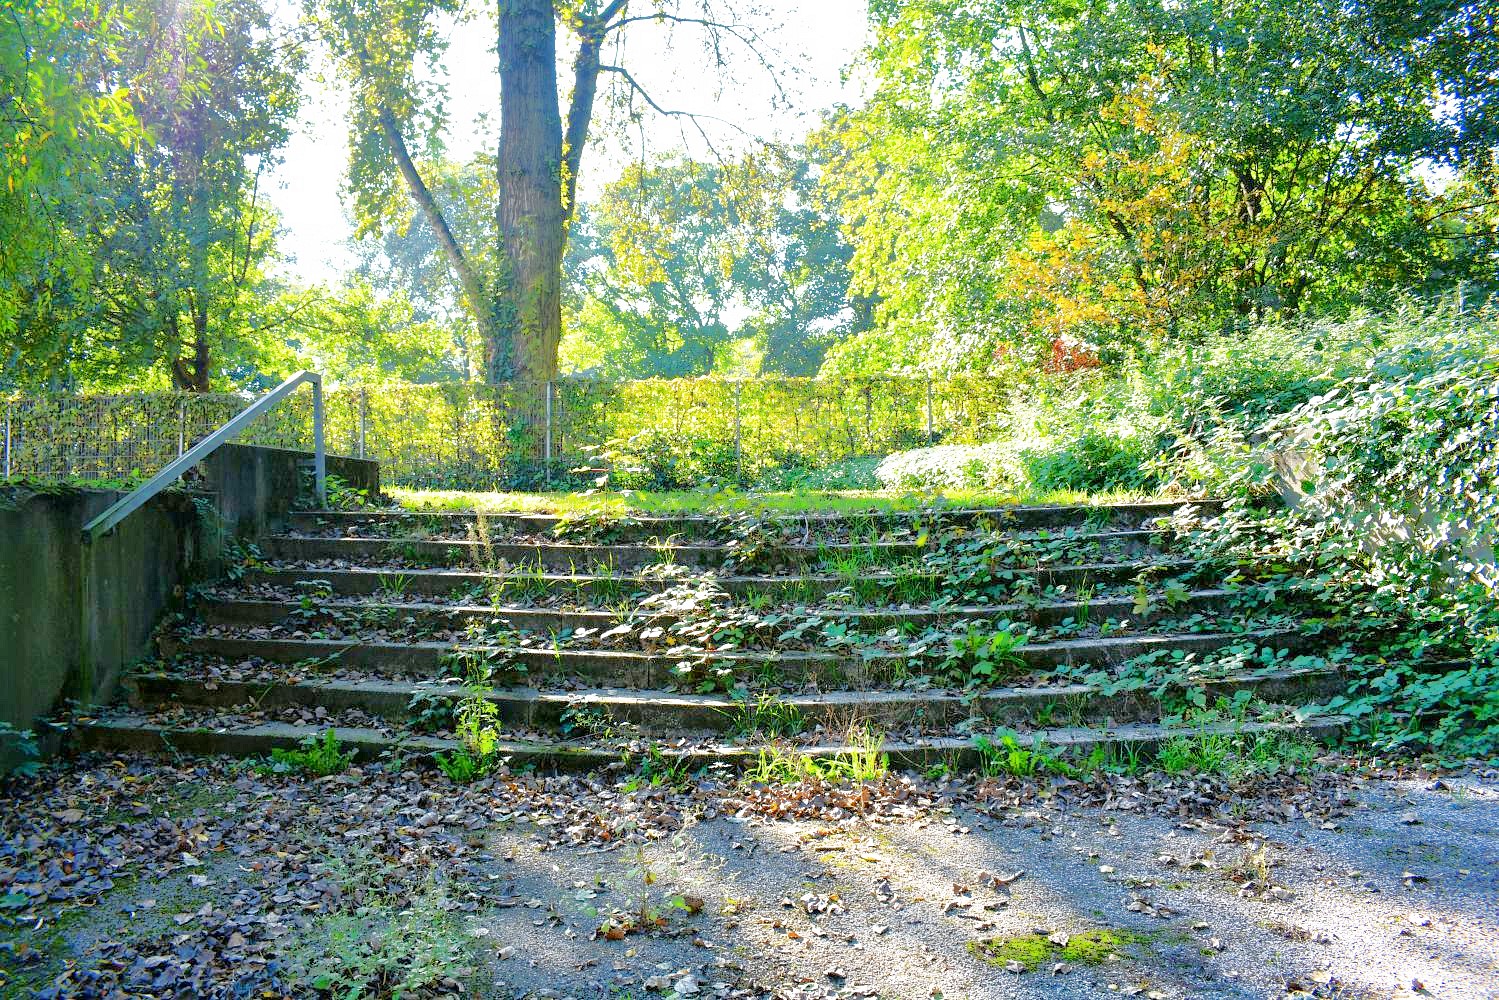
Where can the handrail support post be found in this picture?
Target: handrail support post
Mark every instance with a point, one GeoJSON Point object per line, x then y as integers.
{"type": "Point", "coordinates": [319, 452]}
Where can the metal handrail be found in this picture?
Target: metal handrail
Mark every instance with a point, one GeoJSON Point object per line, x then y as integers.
{"type": "Point", "coordinates": [131, 502]}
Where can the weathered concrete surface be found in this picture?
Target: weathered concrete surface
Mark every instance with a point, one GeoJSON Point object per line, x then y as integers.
{"type": "Point", "coordinates": [256, 487]}
{"type": "Point", "coordinates": [643, 527]}
{"type": "Point", "coordinates": [73, 615]}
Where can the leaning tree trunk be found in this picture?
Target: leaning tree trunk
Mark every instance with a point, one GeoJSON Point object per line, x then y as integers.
{"type": "Point", "coordinates": [531, 219]}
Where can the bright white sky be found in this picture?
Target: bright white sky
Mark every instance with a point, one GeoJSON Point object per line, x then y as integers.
{"type": "Point", "coordinates": [815, 42]}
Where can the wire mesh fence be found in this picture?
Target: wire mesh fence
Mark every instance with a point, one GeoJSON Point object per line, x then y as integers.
{"type": "Point", "coordinates": [472, 436]}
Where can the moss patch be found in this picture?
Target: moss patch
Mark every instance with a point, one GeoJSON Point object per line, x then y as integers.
{"type": "Point", "coordinates": [1034, 950]}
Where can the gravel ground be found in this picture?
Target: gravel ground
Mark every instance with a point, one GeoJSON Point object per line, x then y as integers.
{"type": "Point", "coordinates": [1401, 898]}
{"type": "Point", "coordinates": [130, 877]}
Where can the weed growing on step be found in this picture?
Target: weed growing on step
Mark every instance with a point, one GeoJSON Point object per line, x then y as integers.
{"type": "Point", "coordinates": [767, 716]}
{"type": "Point", "coordinates": [20, 754]}
{"type": "Point", "coordinates": [1237, 754]}
{"type": "Point", "coordinates": [392, 586]}
{"type": "Point", "coordinates": [242, 558]}
{"type": "Point", "coordinates": [318, 756]}
{"type": "Point", "coordinates": [461, 766]}
{"type": "Point", "coordinates": [655, 769]}
{"type": "Point", "coordinates": [595, 525]}
{"type": "Point", "coordinates": [430, 711]}
{"type": "Point", "coordinates": [984, 659]}
{"type": "Point", "coordinates": [343, 496]}
{"type": "Point", "coordinates": [311, 596]}
{"type": "Point", "coordinates": [1114, 758]}
{"type": "Point", "coordinates": [1002, 754]}
{"type": "Point", "coordinates": [862, 762]}
{"type": "Point", "coordinates": [589, 722]}
{"type": "Point", "coordinates": [525, 581]}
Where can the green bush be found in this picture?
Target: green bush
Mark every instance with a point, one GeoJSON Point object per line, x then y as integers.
{"type": "Point", "coordinates": [1094, 461]}
{"type": "Point", "coordinates": [793, 472]}
{"type": "Point", "coordinates": [659, 460]}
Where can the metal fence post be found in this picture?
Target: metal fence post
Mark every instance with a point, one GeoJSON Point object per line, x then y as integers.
{"type": "Point", "coordinates": [738, 433]}
{"type": "Point", "coordinates": [9, 406]}
{"type": "Point", "coordinates": [548, 453]}
{"type": "Point", "coordinates": [929, 411]}
{"type": "Point", "coordinates": [181, 427]}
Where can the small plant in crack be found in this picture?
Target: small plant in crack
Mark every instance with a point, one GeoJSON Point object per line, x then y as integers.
{"type": "Point", "coordinates": [430, 711]}
{"type": "Point", "coordinates": [312, 595]}
{"type": "Point", "coordinates": [392, 586]}
{"type": "Point", "coordinates": [656, 769]}
{"type": "Point", "coordinates": [862, 761]}
{"type": "Point", "coordinates": [590, 722]}
{"type": "Point", "coordinates": [647, 909]}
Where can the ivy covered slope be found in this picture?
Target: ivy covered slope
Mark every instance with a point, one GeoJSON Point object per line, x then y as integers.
{"type": "Point", "coordinates": [1394, 476]}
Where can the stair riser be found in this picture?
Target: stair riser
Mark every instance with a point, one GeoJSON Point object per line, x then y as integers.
{"type": "Point", "coordinates": [1076, 705]}
{"type": "Point", "coordinates": [957, 755]}
{"type": "Point", "coordinates": [399, 584]}
{"type": "Point", "coordinates": [693, 528]}
{"type": "Point", "coordinates": [645, 670]}
{"type": "Point", "coordinates": [229, 612]}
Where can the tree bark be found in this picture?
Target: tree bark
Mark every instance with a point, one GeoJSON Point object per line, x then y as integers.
{"type": "Point", "coordinates": [531, 216]}
{"type": "Point", "coordinates": [191, 374]}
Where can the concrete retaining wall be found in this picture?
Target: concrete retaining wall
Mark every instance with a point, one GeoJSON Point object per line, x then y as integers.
{"type": "Point", "coordinates": [73, 616]}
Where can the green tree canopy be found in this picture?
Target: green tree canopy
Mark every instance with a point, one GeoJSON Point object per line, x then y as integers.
{"type": "Point", "coordinates": [1029, 171]}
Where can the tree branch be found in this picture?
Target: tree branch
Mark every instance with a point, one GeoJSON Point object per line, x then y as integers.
{"type": "Point", "coordinates": [473, 287]}
{"type": "Point", "coordinates": [692, 116]}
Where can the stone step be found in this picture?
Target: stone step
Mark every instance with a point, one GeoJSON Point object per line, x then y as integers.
{"type": "Point", "coordinates": [625, 668]}
{"type": "Point", "coordinates": [626, 526]}
{"type": "Point", "coordinates": [604, 558]}
{"type": "Point", "coordinates": [141, 734]}
{"type": "Point", "coordinates": [667, 713]}
{"type": "Point", "coordinates": [366, 580]}
{"type": "Point", "coordinates": [231, 610]}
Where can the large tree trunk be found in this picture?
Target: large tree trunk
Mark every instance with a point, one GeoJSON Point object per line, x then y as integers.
{"type": "Point", "coordinates": [530, 177]}
{"type": "Point", "coordinates": [191, 373]}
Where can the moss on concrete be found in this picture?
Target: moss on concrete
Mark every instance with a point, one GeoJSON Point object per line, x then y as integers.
{"type": "Point", "coordinates": [1034, 950]}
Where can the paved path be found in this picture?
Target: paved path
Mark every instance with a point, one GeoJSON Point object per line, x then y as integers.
{"type": "Point", "coordinates": [136, 878]}
{"type": "Point", "coordinates": [1400, 899]}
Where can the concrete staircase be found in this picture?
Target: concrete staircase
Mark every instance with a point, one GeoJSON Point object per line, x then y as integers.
{"type": "Point", "coordinates": [702, 639]}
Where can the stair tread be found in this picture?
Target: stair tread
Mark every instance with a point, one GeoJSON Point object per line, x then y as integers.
{"type": "Point", "coordinates": [1122, 534]}
{"type": "Point", "coordinates": [346, 602]}
{"type": "Point", "coordinates": [772, 656]}
{"type": "Point", "coordinates": [1059, 738]}
{"type": "Point", "coordinates": [1010, 511]}
{"type": "Point", "coordinates": [289, 567]}
{"type": "Point", "coordinates": [649, 696]}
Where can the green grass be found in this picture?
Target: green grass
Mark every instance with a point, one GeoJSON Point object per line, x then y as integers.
{"type": "Point", "coordinates": [697, 502]}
